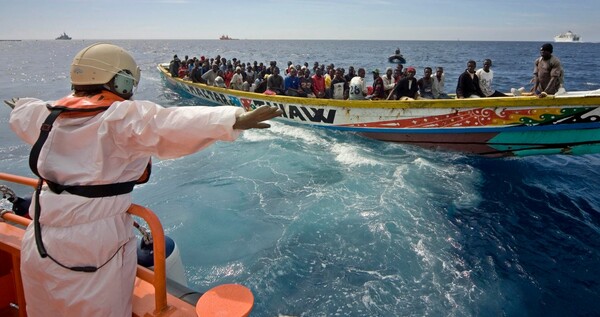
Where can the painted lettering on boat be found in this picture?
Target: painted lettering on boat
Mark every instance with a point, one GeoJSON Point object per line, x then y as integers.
{"type": "Point", "coordinates": [209, 95]}
{"type": "Point", "coordinates": [310, 114]}
{"type": "Point", "coordinates": [290, 111]}
{"type": "Point", "coordinates": [296, 112]}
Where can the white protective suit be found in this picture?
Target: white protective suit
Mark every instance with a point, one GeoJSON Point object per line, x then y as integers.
{"type": "Point", "coordinates": [111, 147]}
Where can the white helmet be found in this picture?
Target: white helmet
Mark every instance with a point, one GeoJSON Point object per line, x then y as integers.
{"type": "Point", "coordinates": [98, 63]}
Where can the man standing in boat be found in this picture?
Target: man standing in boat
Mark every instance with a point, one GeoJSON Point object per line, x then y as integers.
{"type": "Point", "coordinates": [548, 74]}
{"type": "Point", "coordinates": [78, 258]}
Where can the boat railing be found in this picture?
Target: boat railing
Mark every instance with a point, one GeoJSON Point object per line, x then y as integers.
{"type": "Point", "coordinates": [157, 278]}
{"type": "Point", "coordinates": [226, 299]}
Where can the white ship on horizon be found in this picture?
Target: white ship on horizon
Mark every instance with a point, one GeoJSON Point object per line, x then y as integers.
{"type": "Point", "coordinates": [567, 37]}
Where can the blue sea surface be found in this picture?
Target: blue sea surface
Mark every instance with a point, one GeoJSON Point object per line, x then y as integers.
{"type": "Point", "coordinates": [327, 223]}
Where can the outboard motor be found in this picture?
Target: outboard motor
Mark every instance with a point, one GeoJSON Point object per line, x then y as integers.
{"type": "Point", "coordinates": [173, 265]}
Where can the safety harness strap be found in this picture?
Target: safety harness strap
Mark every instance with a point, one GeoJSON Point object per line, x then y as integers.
{"type": "Point", "coordinates": [44, 132]}
{"type": "Point", "coordinates": [90, 191]}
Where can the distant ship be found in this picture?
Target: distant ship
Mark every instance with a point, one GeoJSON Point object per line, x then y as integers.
{"type": "Point", "coordinates": [63, 36]}
{"type": "Point", "coordinates": [226, 37]}
{"type": "Point", "coordinates": [567, 37]}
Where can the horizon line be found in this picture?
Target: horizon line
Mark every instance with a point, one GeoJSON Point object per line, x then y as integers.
{"type": "Point", "coordinates": [255, 39]}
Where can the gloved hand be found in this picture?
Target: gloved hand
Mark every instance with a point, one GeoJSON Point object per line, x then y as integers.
{"type": "Point", "coordinates": [254, 118]}
{"type": "Point", "coordinates": [12, 102]}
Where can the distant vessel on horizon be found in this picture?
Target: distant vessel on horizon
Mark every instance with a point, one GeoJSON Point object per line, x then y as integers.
{"type": "Point", "coordinates": [63, 36]}
{"type": "Point", "coordinates": [567, 37]}
{"type": "Point", "coordinates": [226, 37]}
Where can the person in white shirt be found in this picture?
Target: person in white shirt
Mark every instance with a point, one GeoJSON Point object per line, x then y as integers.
{"type": "Point", "coordinates": [388, 81]}
{"type": "Point", "coordinates": [437, 87]}
{"type": "Point", "coordinates": [486, 76]}
{"type": "Point", "coordinates": [358, 89]}
{"type": "Point", "coordinates": [237, 80]}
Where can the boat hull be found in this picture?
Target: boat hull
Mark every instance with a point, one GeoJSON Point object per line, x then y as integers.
{"type": "Point", "coordinates": [568, 37]}
{"type": "Point", "coordinates": [520, 126]}
{"type": "Point", "coordinates": [566, 40]}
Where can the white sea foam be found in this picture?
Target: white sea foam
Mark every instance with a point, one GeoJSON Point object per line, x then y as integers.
{"type": "Point", "coordinates": [348, 154]}
{"type": "Point", "coordinates": [258, 136]}
{"type": "Point", "coordinates": [306, 135]}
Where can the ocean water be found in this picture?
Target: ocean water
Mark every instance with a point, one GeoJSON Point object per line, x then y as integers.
{"type": "Point", "coordinates": [326, 223]}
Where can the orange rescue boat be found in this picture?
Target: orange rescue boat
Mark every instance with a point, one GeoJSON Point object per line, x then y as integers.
{"type": "Point", "coordinates": [151, 296]}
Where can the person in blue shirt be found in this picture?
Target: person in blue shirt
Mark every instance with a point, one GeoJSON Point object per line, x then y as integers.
{"type": "Point", "coordinates": [292, 84]}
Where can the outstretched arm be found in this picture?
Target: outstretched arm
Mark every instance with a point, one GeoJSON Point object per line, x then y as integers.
{"type": "Point", "coordinates": [254, 119]}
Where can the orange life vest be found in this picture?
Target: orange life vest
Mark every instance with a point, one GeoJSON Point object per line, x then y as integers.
{"type": "Point", "coordinates": [86, 106]}
{"type": "Point", "coordinates": [74, 107]}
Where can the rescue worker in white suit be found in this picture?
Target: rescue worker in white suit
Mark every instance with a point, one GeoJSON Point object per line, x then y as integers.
{"type": "Point", "coordinates": [79, 259]}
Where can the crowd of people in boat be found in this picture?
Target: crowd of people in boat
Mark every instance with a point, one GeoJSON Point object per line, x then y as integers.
{"type": "Point", "coordinates": [327, 81]}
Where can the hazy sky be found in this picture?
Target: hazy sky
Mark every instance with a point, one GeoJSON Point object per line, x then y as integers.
{"type": "Point", "coordinates": [523, 20]}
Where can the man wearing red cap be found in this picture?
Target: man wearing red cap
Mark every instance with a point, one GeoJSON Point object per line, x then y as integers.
{"type": "Point", "coordinates": [407, 88]}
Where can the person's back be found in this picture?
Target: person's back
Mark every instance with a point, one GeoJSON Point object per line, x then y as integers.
{"type": "Point", "coordinates": [357, 88]}
{"type": "Point", "coordinates": [85, 226]}
{"type": "Point", "coordinates": [174, 66]}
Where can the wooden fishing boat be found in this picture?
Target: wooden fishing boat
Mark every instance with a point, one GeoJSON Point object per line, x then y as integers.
{"type": "Point", "coordinates": [515, 126]}
{"type": "Point", "coordinates": [153, 294]}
